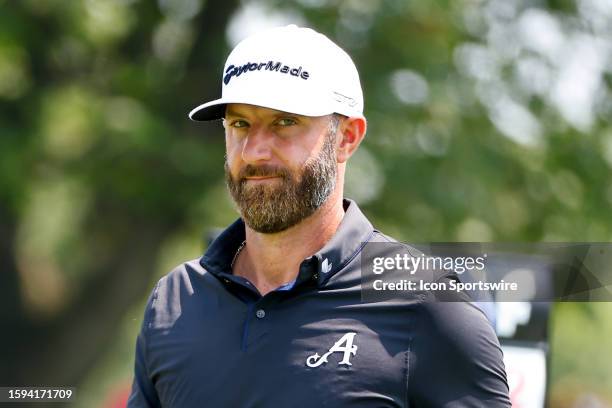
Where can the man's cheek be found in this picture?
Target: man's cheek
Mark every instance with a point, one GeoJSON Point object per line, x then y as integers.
{"type": "Point", "coordinates": [232, 160]}
{"type": "Point", "coordinates": [231, 170]}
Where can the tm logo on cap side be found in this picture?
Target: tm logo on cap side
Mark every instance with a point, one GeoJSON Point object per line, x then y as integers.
{"type": "Point", "coordinates": [345, 99]}
{"type": "Point", "coordinates": [277, 66]}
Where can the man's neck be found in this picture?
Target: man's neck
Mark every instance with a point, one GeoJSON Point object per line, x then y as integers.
{"type": "Point", "coordinates": [271, 260]}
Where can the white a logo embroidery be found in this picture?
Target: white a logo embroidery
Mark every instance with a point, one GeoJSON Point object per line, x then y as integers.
{"type": "Point", "coordinates": [344, 345]}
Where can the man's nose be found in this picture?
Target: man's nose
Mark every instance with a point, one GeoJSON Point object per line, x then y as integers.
{"type": "Point", "coordinates": [257, 145]}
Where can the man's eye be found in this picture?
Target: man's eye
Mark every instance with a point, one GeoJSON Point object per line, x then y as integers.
{"type": "Point", "coordinates": [239, 124]}
{"type": "Point", "coordinates": [286, 122]}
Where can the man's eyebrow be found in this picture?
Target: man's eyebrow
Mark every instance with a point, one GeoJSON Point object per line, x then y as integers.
{"type": "Point", "coordinates": [230, 112]}
{"type": "Point", "coordinates": [276, 114]}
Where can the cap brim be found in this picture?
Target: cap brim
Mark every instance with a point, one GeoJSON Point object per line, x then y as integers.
{"type": "Point", "coordinates": [212, 110]}
{"type": "Point", "coordinates": [216, 109]}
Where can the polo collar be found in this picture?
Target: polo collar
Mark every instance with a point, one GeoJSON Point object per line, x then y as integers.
{"type": "Point", "coordinates": [346, 243]}
{"type": "Point", "coordinates": [350, 237]}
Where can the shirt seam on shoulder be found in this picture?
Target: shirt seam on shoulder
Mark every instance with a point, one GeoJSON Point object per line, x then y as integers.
{"type": "Point", "coordinates": [149, 310]}
{"type": "Point", "coordinates": [147, 326]}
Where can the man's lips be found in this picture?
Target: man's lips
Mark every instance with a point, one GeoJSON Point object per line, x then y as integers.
{"type": "Point", "coordinates": [261, 178]}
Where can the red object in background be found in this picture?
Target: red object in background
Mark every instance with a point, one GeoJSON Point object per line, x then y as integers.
{"type": "Point", "coordinates": [518, 388]}
{"type": "Point", "coordinates": [118, 396]}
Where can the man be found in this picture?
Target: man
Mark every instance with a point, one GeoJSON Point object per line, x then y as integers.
{"type": "Point", "coordinates": [272, 315]}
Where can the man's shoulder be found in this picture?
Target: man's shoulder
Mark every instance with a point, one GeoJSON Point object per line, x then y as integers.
{"type": "Point", "coordinates": [181, 275]}
{"type": "Point", "coordinates": [390, 260]}
{"type": "Point", "coordinates": [383, 246]}
{"type": "Point", "coordinates": [173, 291]}
{"type": "Point", "coordinates": [186, 269]}
{"type": "Point", "coordinates": [383, 242]}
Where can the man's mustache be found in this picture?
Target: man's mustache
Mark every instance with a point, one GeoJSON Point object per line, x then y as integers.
{"type": "Point", "coordinates": [263, 171]}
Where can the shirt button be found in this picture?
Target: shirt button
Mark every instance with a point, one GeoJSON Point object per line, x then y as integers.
{"type": "Point", "coordinates": [260, 314]}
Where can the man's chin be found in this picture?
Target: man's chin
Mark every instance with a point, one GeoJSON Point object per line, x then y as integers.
{"type": "Point", "coordinates": [272, 224]}
{"type": "Point", "coordinates": [269, 228]}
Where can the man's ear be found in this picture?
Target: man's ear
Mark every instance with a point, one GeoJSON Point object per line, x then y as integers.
{"type": "Point", "coordinates": [350, 132]}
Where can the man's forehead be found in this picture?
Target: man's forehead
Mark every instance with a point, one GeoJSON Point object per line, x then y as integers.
{"type": "Point", "coordinates": [241, 109]}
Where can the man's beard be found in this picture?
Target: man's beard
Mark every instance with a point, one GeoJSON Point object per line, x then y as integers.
{"type": "Point", "coordinates": [291, 198]}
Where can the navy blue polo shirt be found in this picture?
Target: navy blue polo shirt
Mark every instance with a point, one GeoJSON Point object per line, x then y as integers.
{"type": "Point", "coordinates": [209, 339]}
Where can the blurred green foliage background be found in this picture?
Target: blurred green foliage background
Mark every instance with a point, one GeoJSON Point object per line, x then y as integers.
{"type": "Point", "coordinates": [488, 121]}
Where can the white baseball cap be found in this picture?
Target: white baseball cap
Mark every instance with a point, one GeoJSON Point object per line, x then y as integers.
{"type": "Point", "coordinates": [290, 69]}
